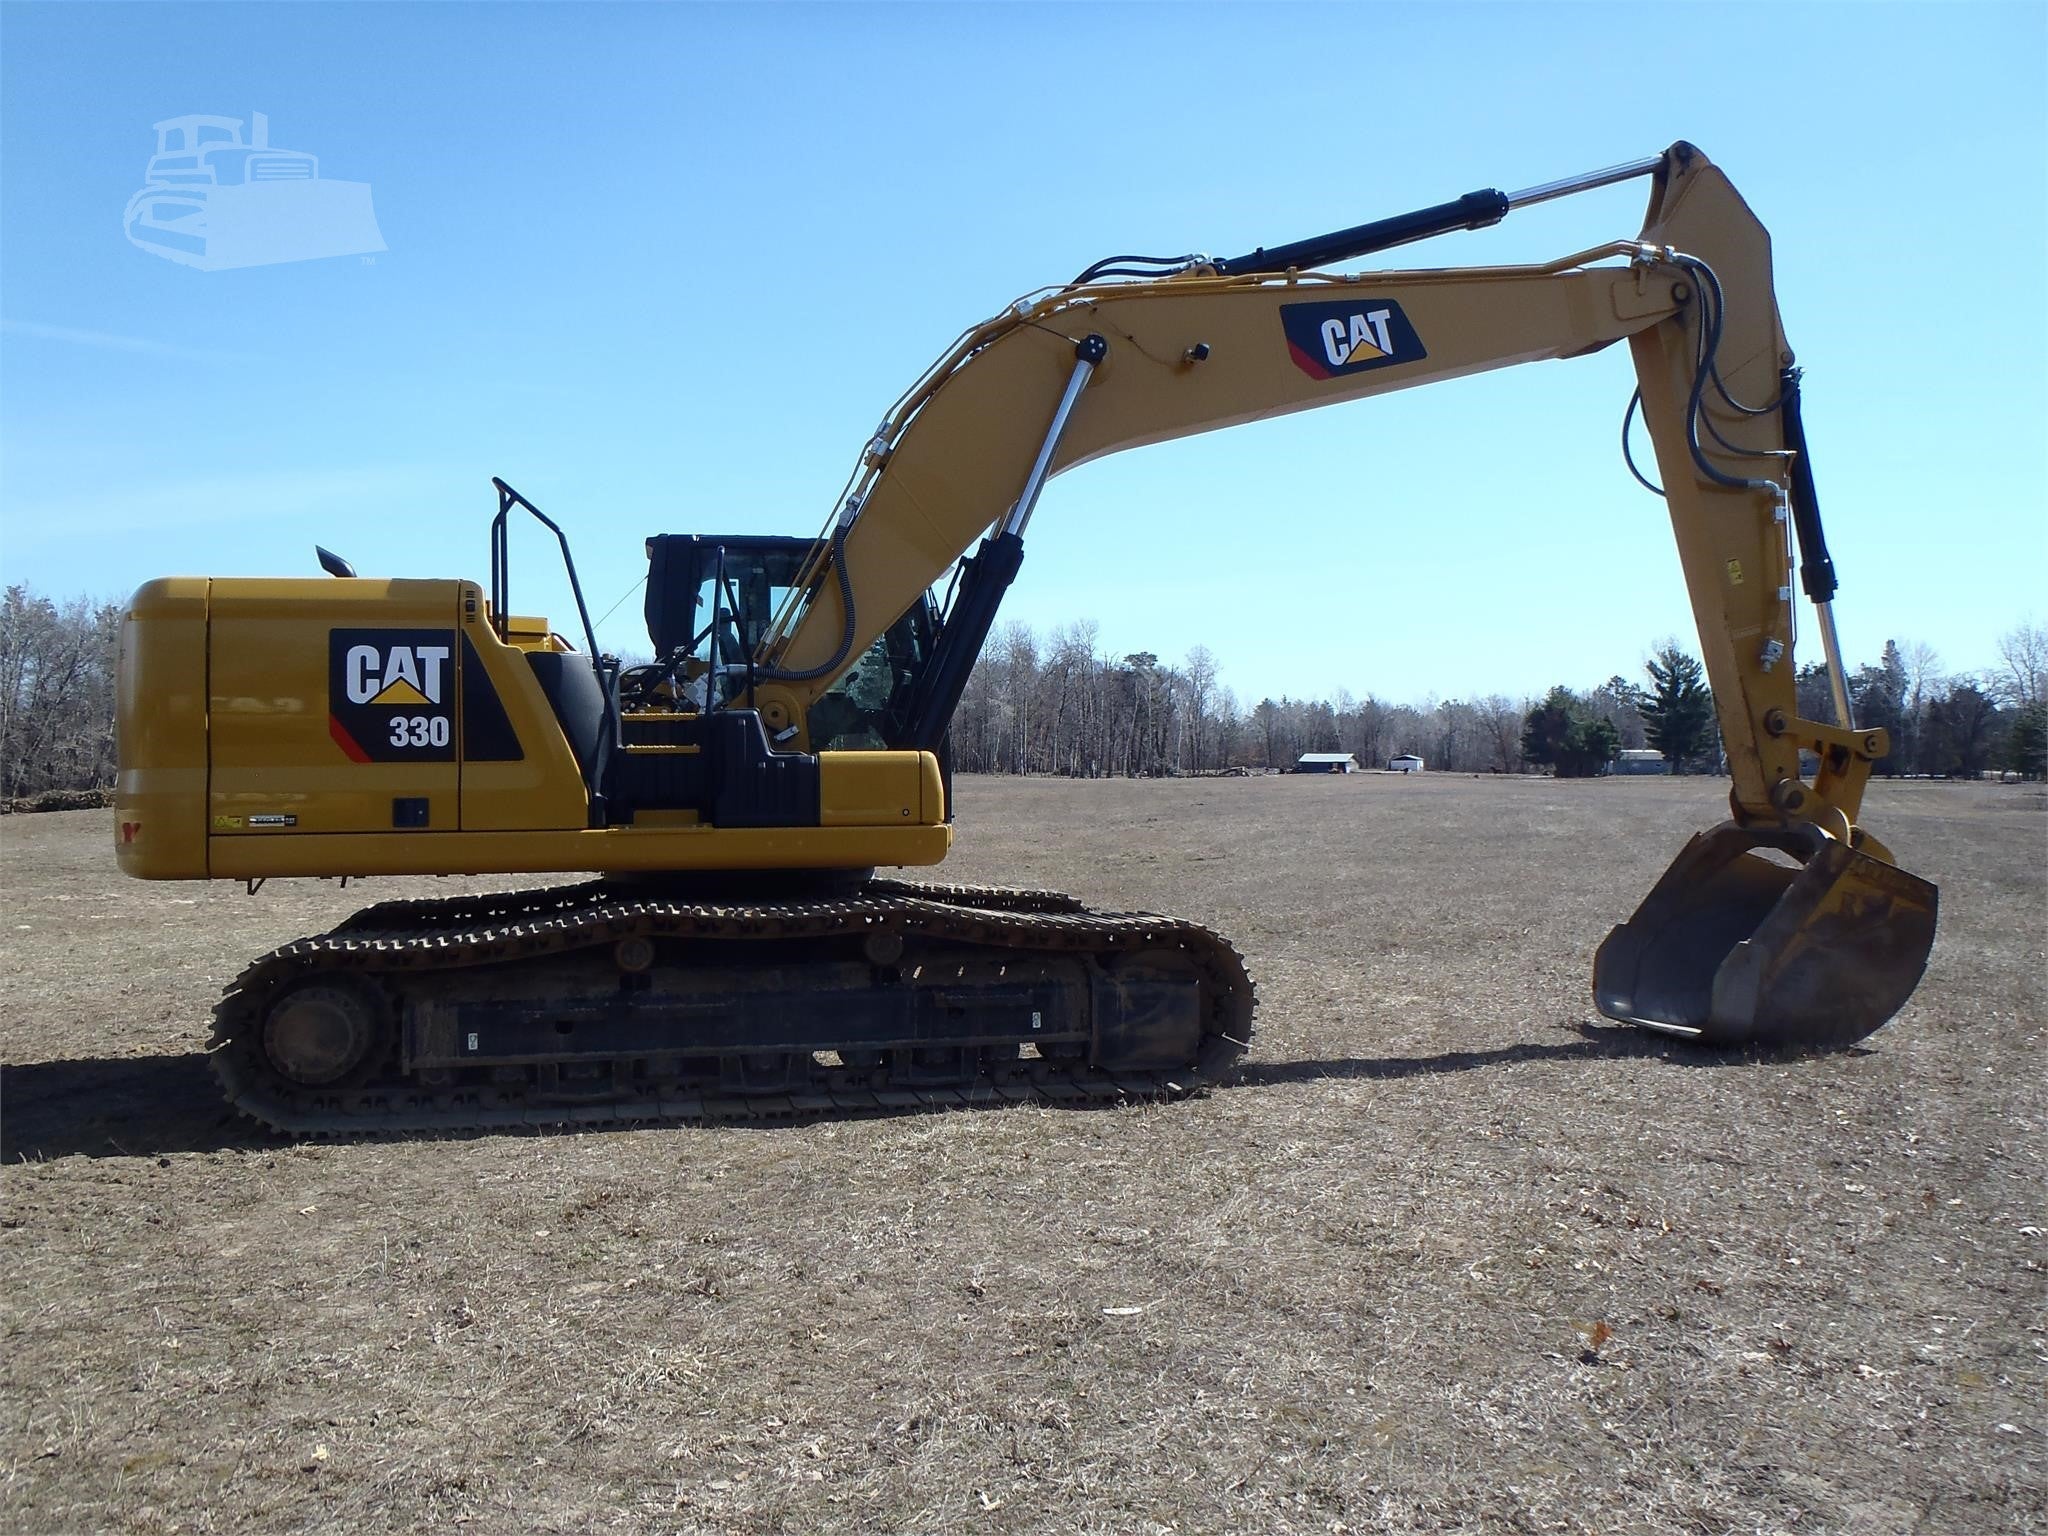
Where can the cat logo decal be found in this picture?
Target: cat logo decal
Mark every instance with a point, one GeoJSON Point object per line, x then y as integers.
{"type": "Point", "coordinates": [1333, 341]}
{"type": "Point", "coordinates": [391, 694]}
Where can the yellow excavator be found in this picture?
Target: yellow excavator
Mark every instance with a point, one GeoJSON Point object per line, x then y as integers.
{"type": "Point", "coordinates": [737, 955]}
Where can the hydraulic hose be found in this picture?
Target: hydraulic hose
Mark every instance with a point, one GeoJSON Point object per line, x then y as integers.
{"type": "Point", "coordinates": [1710, 326]}
{"type": "Point", "coordinates": [810, 674]}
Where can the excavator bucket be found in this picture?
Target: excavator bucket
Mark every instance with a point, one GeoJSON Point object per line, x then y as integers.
{"type": "Point", "coordinates": [1733, 947]}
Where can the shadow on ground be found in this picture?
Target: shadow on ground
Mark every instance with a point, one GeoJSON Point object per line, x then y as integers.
{"type": "Point", "coordinates": [149, 1106]}
{"type": "Point", "coordinates": [1596, 1042]}
{"type": "Point", "coordinates": [128, 1106]}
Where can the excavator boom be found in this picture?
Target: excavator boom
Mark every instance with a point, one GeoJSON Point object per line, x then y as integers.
{"type": "Point", "coordinates": [1116, 364]}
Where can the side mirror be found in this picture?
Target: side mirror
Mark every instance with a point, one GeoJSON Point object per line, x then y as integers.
{"type": "Point", "coordinates": [332, 563]}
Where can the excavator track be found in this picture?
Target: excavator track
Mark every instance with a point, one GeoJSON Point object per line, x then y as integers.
{"type": "Point", "coordinates": [611, 1002]}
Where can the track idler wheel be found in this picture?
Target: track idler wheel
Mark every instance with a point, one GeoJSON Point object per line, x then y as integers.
{"type": "Point", "coordinates": [329, 1033]}
{"type": "Point", "coordinates": [1734, 947]}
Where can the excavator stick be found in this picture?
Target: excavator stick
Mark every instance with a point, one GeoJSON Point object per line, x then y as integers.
{"type": "Point", "coordinates": [1767, 939]}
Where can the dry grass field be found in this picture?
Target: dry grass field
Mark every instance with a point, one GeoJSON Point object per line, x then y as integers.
{"type": "Point", "coordinates": [1451, 1255]}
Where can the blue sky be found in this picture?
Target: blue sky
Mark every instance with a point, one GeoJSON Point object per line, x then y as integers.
{"type": "Point", "coordinates": [663, 268]}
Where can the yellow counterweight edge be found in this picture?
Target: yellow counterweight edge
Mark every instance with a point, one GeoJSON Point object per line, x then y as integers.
{"type": "Point", "coordinates": [606, 849]}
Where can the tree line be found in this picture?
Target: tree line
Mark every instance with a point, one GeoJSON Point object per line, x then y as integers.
{"type": "Point", "coordinates": [1060, 704]}
{"type": "Point", "coordinates": [56, 693]}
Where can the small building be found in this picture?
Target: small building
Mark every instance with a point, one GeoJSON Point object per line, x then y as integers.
{"type": "Point", "coordinates": [1407, 762]}
{"type": "Point", "coordinates": [1639, 760]}
{"type": "Point", "coordinates": [1326, 762]}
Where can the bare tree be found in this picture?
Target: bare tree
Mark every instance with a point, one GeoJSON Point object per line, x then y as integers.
{"type": "Point", "coordinates": [1964, 728]}
{"type": "Point", "coordinates": [2023, 653]}
{"type": "Point", "coordinates": [1230, 730]}
{"type": "Point", "coordinates": [1266, 730]}
{"type": "Point", "coordinates": [1500, 728]}
{"type": "Point", "coordinates": [1619, 702]}
{"type": "Point", "coordinates": [56, 693]}
{"type": "Point", "coordinates": [1198, 685]}
{"type": "Point", "coordinates": [1923, 683]}
{"type": "Point", "coordinates": [1365, 732]}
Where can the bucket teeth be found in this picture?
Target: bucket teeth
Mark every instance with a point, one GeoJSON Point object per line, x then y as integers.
{"type": "Point", "coordinates": [1753, 939]}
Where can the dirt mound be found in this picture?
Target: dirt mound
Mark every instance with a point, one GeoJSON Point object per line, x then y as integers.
{"type": "Point", "coordinates": [58, 800]}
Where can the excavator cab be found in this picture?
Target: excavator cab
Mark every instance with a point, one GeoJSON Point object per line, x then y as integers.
{"type": "Point", "coordinates": [681, 741]}
{"type": "Point", "coordinates": [710, 599]}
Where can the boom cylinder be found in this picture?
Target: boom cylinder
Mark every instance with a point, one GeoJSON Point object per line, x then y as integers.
{"type": "Point", "coordinates": [1627, 171]}
{"type": "Point", "coordinates": [1475, 210]}
{"type": "Point", "coordinates": [988, 573]}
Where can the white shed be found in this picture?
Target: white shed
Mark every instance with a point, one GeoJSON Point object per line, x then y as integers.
{"type": "Point", "coordinates": [1407, 762]}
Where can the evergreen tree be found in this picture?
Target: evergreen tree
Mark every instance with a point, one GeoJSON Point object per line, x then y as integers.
{"type": "Point", "coordinates": [1812, 697]}
{"type": "Point", "coordinates": [1589, 746]}
{"type": "Point", "coordinates": [1548, 724]}
{"type": "Point", "coordinates": [1678, 713]}
{"type": "Point", "coordinates": [2026, 747]}
{"type": "Point", "coordinates": [1963, 730]}
{"type": "Point", "coordinates": [1564, 732]}
{"type": "Point", "coordinates": [1879, 696]}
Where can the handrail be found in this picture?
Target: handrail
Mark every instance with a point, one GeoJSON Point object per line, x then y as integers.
{"type": "Point", "coordinates": [501, 565]}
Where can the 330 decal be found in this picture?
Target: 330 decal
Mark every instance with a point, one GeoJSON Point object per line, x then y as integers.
{"type": "Point", "coordinates": [419, 731]}
{"type": "Point", "coordinates": [391, 694]}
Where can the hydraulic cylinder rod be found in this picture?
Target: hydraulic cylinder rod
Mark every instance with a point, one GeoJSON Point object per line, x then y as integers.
{"type": "Point", "coordinates": [1475, 210]}
{"type": "Point", "coordinates": [1089, 351]}
{"type": "Point", "coordinates": [986, 576]}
